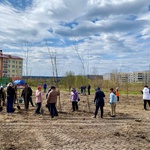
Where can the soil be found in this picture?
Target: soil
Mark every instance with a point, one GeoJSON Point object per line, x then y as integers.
{"type": "Point", "coordinates": [129, 130]}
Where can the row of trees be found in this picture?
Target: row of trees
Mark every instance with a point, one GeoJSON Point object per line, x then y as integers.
{"type": "Point", "coordinates": [70, 80]}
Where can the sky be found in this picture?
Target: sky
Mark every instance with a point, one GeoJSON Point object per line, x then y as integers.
{"type": "Point", "coordinates": [85, 36]}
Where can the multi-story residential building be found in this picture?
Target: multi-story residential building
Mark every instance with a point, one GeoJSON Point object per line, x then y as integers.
{"type": "Point", "coordinates": [136, 77]}
{"type": "Point", "coordinates": [10, 66]}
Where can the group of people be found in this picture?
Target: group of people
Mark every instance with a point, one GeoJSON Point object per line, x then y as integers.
{"type": "Point", "coordinates": [11, 93]}
{"type": "Point", "coordinates": [83, 89]}
{"type": "Point", "coordinates": [51, 97]}
{"type": "Point", "coordinates": [52, 94]}
{"type": "Point", "coordinates": [26, 95]}
{"type": "Point", "coordinates": [99, 101]}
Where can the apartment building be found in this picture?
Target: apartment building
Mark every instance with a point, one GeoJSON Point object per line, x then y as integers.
{"type": "Point", "coordinates": [10, 66]}
{"type": "Point", "coordinates": [133, 77]}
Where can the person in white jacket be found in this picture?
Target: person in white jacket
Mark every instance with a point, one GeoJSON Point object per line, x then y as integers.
{"type": "Point", "coordinates": [146, 96]}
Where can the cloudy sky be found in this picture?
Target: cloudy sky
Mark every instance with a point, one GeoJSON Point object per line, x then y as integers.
{"type": "Point", "coordinates": [85, 36]}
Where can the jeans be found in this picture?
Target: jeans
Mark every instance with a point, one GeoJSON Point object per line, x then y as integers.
{"type": "Point", "coordinates": [96, 111]}
{"type": "Point", "coordinates": [10, 101]}
{"type": "Point", "coordinates": [75, 106]}
{"type": "Point", "coordinates": [38, 108]}
{"type": "Point", "coordinates": [53, 110]}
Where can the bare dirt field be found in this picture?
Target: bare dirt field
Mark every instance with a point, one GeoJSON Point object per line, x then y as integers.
{"type": "Point", "coordinates": [129, 130]}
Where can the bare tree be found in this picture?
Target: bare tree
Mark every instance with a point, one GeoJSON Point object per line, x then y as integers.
{"type": "Point", "coordinates": [76, 48]}
{"type": "Point", "coordinates": [26, 49]}
{"type": "Point", "coordinates": [53, 58]}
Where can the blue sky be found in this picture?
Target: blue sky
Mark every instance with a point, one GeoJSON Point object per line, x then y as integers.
{"type": "Point", "coordinates": [112, 35]}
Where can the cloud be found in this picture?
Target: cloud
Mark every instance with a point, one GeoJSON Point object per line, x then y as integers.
{"type": "Point", "coordinates": [106, 34]}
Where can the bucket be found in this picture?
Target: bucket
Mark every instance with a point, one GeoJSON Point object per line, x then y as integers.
{"type": "Point", "coordinates": [20, 100]}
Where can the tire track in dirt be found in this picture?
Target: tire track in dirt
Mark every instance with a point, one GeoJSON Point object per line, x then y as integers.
{"type": "Point", "coordinates": [57, 134]}
{"type": "Point", "coordinates": [78, 130]}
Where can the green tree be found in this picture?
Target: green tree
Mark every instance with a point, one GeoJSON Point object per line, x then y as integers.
{"type": "Point", "coordinates": [70, 80]}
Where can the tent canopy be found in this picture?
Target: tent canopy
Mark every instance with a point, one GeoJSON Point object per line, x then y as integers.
{"type": "Point", "coordinates": [19, 82]}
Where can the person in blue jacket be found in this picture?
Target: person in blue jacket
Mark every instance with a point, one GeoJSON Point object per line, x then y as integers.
{"type": "Point", "coordinates": [45, 86]}
{"type": "Point", "coordinates": [99, 101]}
{"type": "Point", "coordinates": [113, 101]}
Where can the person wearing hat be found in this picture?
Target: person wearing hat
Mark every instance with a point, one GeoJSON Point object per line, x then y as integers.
{"type": "Point", "coordinates": [99, 101]}
{"type": "Point", "coordinates": [38, 99]}
{"type": "Point", "coordinates": [10, 98]}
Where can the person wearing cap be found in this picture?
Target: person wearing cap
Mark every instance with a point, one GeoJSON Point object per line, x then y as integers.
{"type": "Point", "coordinates": [99, 101]}
{"type": "Point", "coordinates": [113, 101]}
{"type": "Point", "coordinates": [74, 99]}
{"type": "Point", "coordinates": [52, 100]}
{"type": "Point", "coordinates": [39, 99]}
{"type": "Point", "coordinates": [10, 98]}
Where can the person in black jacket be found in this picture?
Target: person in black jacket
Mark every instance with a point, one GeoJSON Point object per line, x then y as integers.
{"type": "Point", "coordinates": [31, 101]}
{"type": "Point", "coordinates": [89, 88]}
{"type": "Point", "coordinates": [10, 97]}
{"type": "Point", "coordinates": [26, 94]}
{"type": "Point", "coordinates": [2, 96]}
{"type": "Point", "coordinates": [99, 101]}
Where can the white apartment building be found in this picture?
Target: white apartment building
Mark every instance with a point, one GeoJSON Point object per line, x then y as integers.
{"type": "Point", "coordinates": [134, 77]}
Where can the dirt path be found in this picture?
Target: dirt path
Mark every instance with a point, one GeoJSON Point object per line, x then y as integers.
{"type": "Point", "coordinates": [130, 130]}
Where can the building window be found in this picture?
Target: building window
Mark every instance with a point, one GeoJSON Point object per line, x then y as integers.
{"type": "Point", "coordinates": [13, 66]}
{"type": "Point", "coordinates": [13, 70]}
{"type": "Point", "coordinates": [20, 62]}
{"type": "Point", "coordinates": [13, 61]}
